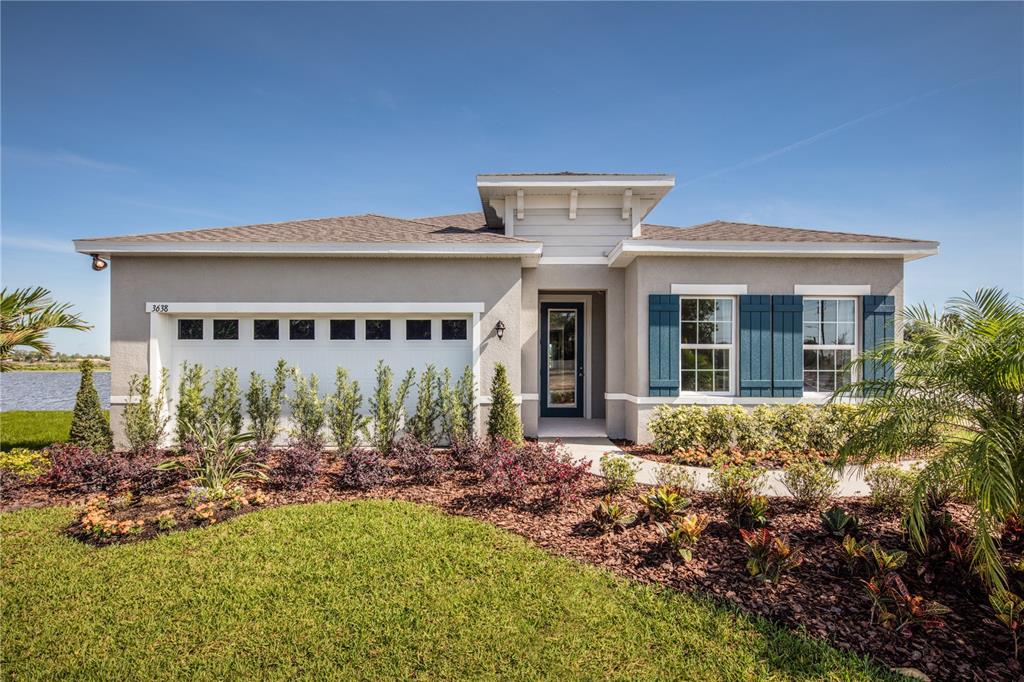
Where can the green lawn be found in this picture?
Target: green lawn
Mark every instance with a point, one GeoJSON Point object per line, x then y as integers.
{"type": "Point", "coordinates": [382, 590]}
{"type": "Point", "coordinates": [33, 429]}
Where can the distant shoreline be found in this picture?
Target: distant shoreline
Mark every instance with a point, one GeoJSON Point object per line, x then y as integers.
{"type": "Point", "coordinates": [54, 367]}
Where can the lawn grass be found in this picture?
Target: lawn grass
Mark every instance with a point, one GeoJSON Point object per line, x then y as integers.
{"type": "Point", "coordinates": [361, 590]}
{"type": "Point", "coordinates": [33, 429]}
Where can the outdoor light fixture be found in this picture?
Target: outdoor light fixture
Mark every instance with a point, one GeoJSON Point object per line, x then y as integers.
{"type": "Point", "coordinates": [500, 329]}
{"type": "Point", "coordinates": [98, 264]}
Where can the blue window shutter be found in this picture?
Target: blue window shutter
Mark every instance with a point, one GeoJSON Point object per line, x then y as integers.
{"type": "Point", "coordinates": [879, 328]}
{"type": "Point", "coordinates": [787, 346]}
{"type": "Point", "coordinates": [663, 343]}
{"type": "Point", "coordinates": [756, 346]}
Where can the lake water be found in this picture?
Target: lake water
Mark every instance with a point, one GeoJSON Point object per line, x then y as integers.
{"type": "Point", "coordinates": [47, 390]}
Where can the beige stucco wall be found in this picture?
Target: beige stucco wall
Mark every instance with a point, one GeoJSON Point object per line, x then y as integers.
{"type": "Point", "coordinates": [656, 275]}
{"type": "Point", "coordinates": [136, 280]}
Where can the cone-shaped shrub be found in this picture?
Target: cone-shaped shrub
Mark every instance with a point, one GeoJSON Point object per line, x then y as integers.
{"type": "Point", "coordinates": [503, 422]}
{"type": "Point", "coordinates": [89, 427]}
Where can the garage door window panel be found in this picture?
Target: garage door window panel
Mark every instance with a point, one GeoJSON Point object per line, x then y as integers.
{"type": "Point", "coordinates": [225, 330]}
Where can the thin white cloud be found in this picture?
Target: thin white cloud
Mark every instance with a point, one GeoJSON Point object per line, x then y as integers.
{"type": "Point", "coordinates": [42, 244]}
{"type": "Point", "coordinates": [64, 158]}
{"type": "Point", "coordinates": [185, 210]}
{"type": "Point", "coordinates": [753, 161]}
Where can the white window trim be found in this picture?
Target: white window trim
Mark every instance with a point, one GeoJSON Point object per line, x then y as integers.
{"type": "Point", "coordinates": [716, 290]}
{"type": "Point", "coordinates": [829, 290]}
{"type": "Point", "coordinates": [733, 360]}
{"type": "Point", "coordinates": [854, 348]}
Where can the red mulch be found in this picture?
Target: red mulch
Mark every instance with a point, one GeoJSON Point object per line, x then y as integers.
{"type": "Point", "coordinates": [816, 599]}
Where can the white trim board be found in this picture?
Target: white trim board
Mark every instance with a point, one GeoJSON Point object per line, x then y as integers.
{"type": "Point", "coordinates": [709, 289]}
{"type": "Point", "coordinates": [628, 249]}
{"type": "Point", "coordinates": [573, 260]}
{"type": "Point", "coordinates": [832, 289]}
{"type": "Point", "coordinates": [714, 400]}
{"type": "Point", "coordinates": [424, 307]}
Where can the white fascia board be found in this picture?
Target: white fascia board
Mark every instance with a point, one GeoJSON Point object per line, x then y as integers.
{"type": "Point", "coordinates": [639, 180]}
{"type": "Point", "coordinates": [832, 289]}
{"type": "Point", "coordinates": [709, 289]}
{"type": "Point", "coordinates": [573, 260]}
{"type": "Point", "coordinates": [623, 254]}
{"type": "Point", "coordinates": [271, 308]}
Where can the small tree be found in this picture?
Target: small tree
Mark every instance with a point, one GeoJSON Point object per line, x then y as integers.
{"type": "Point", "coordinates": [89, 426]}
{"type": "Point", "coordinates": [423, 424]}
{"type": "Point", "coordinates": [191, 402]}
{"type": "Point", "coordinates": [465, 390]}
{"type": "Point", "coordinates": [225, 408]}
{"type": "Point", "coordinates": [386, 411]}
{"type": "Point", "coordinates": [503, 422]}
{"type": "Point", "coordinates": [144, 418]}
{"type": "Point", "coordinates": [264, 400]}
{"type": "Point", "coordinates": [343, 416]}
{"type": "Point", "coordinates": [307, 411]}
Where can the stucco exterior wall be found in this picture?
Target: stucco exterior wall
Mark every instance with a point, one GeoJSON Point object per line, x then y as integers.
{"type": "Point", "coordinates": [136, 280]}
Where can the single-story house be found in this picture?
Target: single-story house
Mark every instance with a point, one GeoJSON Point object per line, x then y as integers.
{"type": "Point", "coordinates": [598, 314]}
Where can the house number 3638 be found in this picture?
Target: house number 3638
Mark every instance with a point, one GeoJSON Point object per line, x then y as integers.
{"type": "Point", "coordinates": [159, 308]}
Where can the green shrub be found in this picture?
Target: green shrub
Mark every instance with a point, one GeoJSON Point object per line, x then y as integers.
{"type": "Point", "coordinates": [792, 426]}
{"type": "Point", "coordinates": [890, 487]}
{"type": "Point", "coordinates": [343, 416]}
{"type": "Point", "coordinates": [831, 427]}
{"type": "Point", "coordinates": [23, 463]}
{"type": "Point", "coordinates": [677, 478]}
{"type": "Point", "coordinates": [610, 516]}
{"type": "Point", "coordinates": [683, 534]}
{"type": "Point", "coordinates": [721, 426]}
{"type": "Point", "coordinates": [423, 425]}
{"type": "Point", "coordinates": [810, 482]}
{"type": "Point", "coordinates": [386, 410]}
{"type": "Point", "coordinates": [465, 391]}
{"type": "Point", "coordinates": [755, 432]}
{"type": "Point", "coordinates": [503, 421]}
{"type": "Point", "coordinates": [89, 426]}
{"type": "Point", "coordinates": [618, 471]}
{"type": "Point", "coordinates": [458, 406]}
{"type": "Point", "coordinates": [264, 400]}
{"type": "Point", "coordinates": [225, 406]}
{"type": "Point", "coordinates": [770, 556]}
{"type": "Point", "coordinates": [191, 404]}
{"type": "Point", "coordinates": [677, 428]}
{"type": "Point", "coordinates": [839, 524]}
{"type": "Point", "coordinates": [144, 416]}
{"type": "Point", "coordinates": [737, 487]}
{"type": "Point", "coordinates": [307, 411]}
{"type": "Point", "coordinates": [663, 503]}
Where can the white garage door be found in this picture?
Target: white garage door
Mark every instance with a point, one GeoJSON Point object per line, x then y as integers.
{"type": "Point", "coordinates": [319, 344]}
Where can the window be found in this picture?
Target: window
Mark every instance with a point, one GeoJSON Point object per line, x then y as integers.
{"type": "Point", "coordinates": [417, 330]}
{"type": "Point", "coordinates": [830, 333]}
{"type": "Point", "coordinates": [453, 330]}
{"type": "Point", "coordinates": [343, 330]}
{"type": "Point", "coordinates": [301, 330]}
{"type": "Point", "coordinates": [378, 330]}
{"type": "Point", "coordinates": [190, 330]}
{"type": "Point", "coordinates": [706, 344]}
{"type": "Point", "coordinates": [225, 330]}
{"type": "Point", "coordinates": [265, 330]}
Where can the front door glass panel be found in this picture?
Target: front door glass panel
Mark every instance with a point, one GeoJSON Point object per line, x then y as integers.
{"type": "Point", "coordinates": [562, 330]}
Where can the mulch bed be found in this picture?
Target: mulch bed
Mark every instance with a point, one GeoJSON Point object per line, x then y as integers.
{"type": "Point", "coordinates": [817, 599]}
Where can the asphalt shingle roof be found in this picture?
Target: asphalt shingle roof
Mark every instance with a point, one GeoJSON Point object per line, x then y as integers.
{"type": "Point", "coordinates": [722, 231]}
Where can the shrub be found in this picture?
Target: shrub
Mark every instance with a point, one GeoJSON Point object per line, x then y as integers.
{"type": "Point", "coordinates": [677, 428]}
{"type": "Point", "coordinates": [79, 468]}
{"type": "Point", "coordinates": [144, 418]}
{"type": "Point", "coordinates": [677, 478]}
{"type": "Point", "coordinates": [298, 466]}
{"type": "Point", "coordinates": [458, 406]}
{"type": "Point", "coordinates": [225, 408]}
{"type": "Point", "coordinates": [792, 426]}
{"type": "Point", "coordinates": [853, 553]}
{"type": "Point", "coordinates": [839, 524]}
{"type": "Point", "coordinates": [220, 459]}
{"type": "Point", "coordinates": [563, 479]}
{"type": "Point", "coordinates": [737, 488]}
{"type": "Point", "coordinates": [610, 516]}
{"type": "Point", "coordinates": [663, 503]}
{"type": "Point", "coordinates": [721, 426]}
{"type": "Point", "coordinates": [881, 561]}
{"type": "Point", "coordinates": [505, 473]}
{"type": "Point", "coordinates": [619, 472]}
{"type": "Point", "coordinates": [465, 391]}
{"type": "Point", "coordinates": [423, 424]}
{"type": "Point", "coordinates": [365, 469]}
{"type": "Point", "coordinates": [419, 460]}
{"type": "Point", "coordinates": [755, 432]}
{"type": "Point", "coordinates": [683, 535]}
{"type": "Point", "coordinates": [831, 427]}
{"type": "Point", "coordinates": [89, 426]}
{"type": "Point", "coordinates": [890, 487]}
{"type": "Point", "coordinates": [343, 416]}
{"type": "Point", "coordinates": [895, 608]}
{"type": "Point", "coordinates": [386, 411]}
{"type": "Point", "coordinates": [264, 400]}
{"type": "Point", "coordinates": [307, 411]}
{"type": "Point", "coordinates": [769, 556]}
{"type": "Point", "coordinates": [191, 404]}
{"type": "Point", "coordinates": [470, 453]}
{"type": "Point", "coordinates": [503, 420]}
{"type": "Point", "coordinates": [810, 482]}
{"type": "Point", "coordinates": [1009, 610]}
{"type": "Point", "coordinates": [23, 464]}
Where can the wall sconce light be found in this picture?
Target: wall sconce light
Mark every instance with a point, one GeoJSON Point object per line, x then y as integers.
{"type": "Point", "coordinates": [500, 329]}
{"type": "Point", "coordinates": [98, 264]}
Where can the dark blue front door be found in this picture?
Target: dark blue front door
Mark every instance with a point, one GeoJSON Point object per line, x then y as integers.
{"type": "Point", "coordinates": [561, 364]}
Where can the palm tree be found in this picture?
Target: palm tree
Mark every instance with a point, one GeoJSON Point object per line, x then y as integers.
{"type": "Point", "coordinates": [959, 391]}
{"type": "Point", "coordinates": [26, 315]}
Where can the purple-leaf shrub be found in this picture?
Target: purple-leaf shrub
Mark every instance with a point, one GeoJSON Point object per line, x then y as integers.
{"type": "Point", "coordinates": [365, 469]}
{"type": "Point", "coordinates": [419, 460]}
{"type": "Point", "coordinates": [298, 466]}
{"type": "Point", "coordinates": [563, 480]}
{"type": "Point", "coordinates": [79, 468]}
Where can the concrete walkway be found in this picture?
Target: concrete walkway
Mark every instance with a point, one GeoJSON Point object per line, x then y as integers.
{"type": "Point", "coordinates": [590, 449]}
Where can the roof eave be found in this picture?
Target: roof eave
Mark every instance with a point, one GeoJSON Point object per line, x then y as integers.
{"type": "Point", "coordinates": [627, 250]}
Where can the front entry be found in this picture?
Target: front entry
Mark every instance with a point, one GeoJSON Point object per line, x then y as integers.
{"type": "Point", "coordinates": [561, 366]}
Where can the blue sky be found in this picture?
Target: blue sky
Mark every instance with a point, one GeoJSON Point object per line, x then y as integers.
{"type": "Point", "coordinates": [901, 119]}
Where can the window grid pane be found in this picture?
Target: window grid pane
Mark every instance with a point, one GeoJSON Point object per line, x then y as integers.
{"type": "Point", "coordinates": [378, 330]}
{"type": "Point", "coordinates": [301, 330]}
{"type": "Point", "coordinates": [343, 330]}
{"type": "Point", "coordinates": [706, 340]}
{"type": "Point", "coordinates": [265, 330]}
{"type": "Point", "coordinates": [225, 330]}
{"type": "Point", "coordinates": [190, 330]}
{"type": "Point", "coordinates": [453, 330]}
